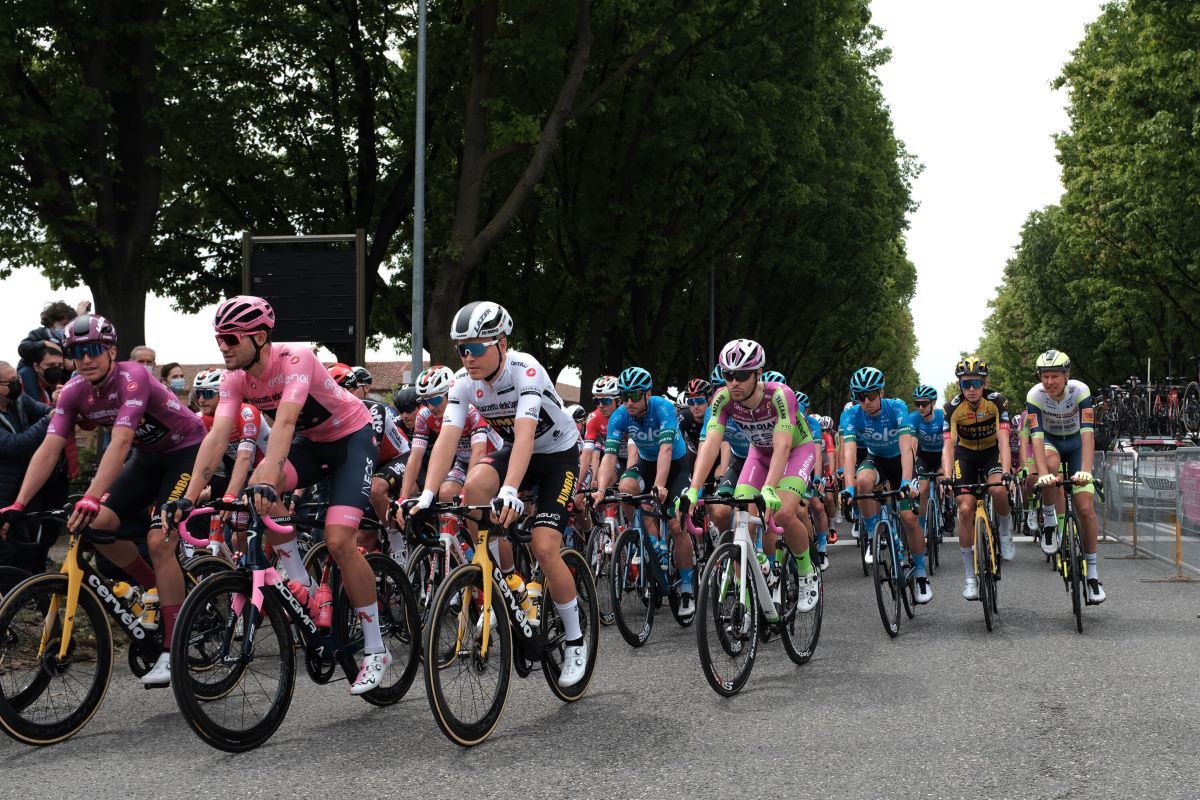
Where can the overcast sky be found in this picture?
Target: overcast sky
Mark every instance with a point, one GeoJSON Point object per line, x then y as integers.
{"type": "Point", "coordinates": [968, 87]}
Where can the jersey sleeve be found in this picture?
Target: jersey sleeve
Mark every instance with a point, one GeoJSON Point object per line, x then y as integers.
{"type": "Point", "coordinates": [718, 413]}
{"type": "Point", "coordinates": [528, 385]}
{"type": "Point", "coordinates": [477, 427]}
{"type": "Point", "coordinates": [62, 418]}
{"type": "Point", "coordinates": [1087, 410]}
{"type": "Point", "coordinates": [421, 430]}
{"type": "Point", "coordinates": [1001, 411]}
{"type": "Point", "coordinates": [1033, 416]}
{"type": "Point", "coordinates": [900, 409]}
{"type": "Point", "coordinates": [616, 431]}
{"type": "Point", "coordinates": [458, 402]}
{"type": "Point", "coordinates": [948, 425]}
{"type": "Point", "coordinates": [249, 428]}
{"type": "Point", "coordinates": [231, 393]}
{"type": "Point", "coordinates": [849, 424]}
{"type": "Point", "coordinates": [668, 422]}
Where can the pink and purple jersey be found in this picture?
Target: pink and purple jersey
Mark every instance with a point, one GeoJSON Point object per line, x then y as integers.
{"type": "Point", "coordinates": [294, 375]}
{"type": "Point", "coordinates": [776, 411]}
{"type": "Point", "coordinates": [130, 398]}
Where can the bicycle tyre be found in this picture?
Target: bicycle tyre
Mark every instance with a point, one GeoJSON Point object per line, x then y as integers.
{"type": "Point", "coordinates": [800, 631]}
{"type": "Point", "coordinates": [728, 621]}
{"type": "Point", "coordinates": [9, 578]}
{"type": "Point", "coordinates": [314, 561]}
{"type": "Point", "coordinates": [22, 620]}
{"type": "Point", "coordinates": [932, 536]}
{"type": "Point", "coordinates": [1075, 567]}
{"type": "Point", "coordinates": [600, 565]}
{"type": "Point", "coordinates": [863, 544]}
{"type": "Point", "coordinates": [632, 589]}
{"type": "Point", "coordinates": [425, 572]}
{"type": "Point", "coordinates": [553, 639]}
{"type": "Point", "coordinates": [214, 598]}
{"type": "Point", "coordinates": [450, 622]}
{"type": "Point", "coordinates": [983, 569]}
{"type": "Point", "coordinates": [399, 624]}
{"type": "Point", "coordinates": [887, 584]}
{"type": "Point", "coordinates": [674, 580]}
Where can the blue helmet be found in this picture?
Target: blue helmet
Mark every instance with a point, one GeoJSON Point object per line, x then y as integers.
{"type": "Point", "coordinates": [925, 392]}
{"type": "Point", "coordinates": [634, 379]}
{"type": "Point", "coordinates": [802, 401]}
{"type": "Point", "coordinates": [867, 379]}
{"type": "Point", "coordinates": [716, 378]}
{"type": "Point", "coordinates": [774, 376]}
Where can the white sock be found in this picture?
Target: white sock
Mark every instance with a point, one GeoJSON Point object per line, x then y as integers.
{"type": "Point", "coordinates": [569, 614]}
{"type": "Point", "coordinates": [288, 556]}
{"type": "Point", "coordinates": [1005, 525]}
{"type": "Point", "coordinates": [1049, 515]}
{"type": "Point", "coordinates": [372, 638]}
{"type": "Point", "coordinates": [1093, 565]}
{"type": "Point", "coordinates": [968, 554]}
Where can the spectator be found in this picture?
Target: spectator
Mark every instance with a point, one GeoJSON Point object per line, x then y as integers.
{"type": "Point", "coordinates": [171, 375]}
{"type": "Point", "coordinates": [55, 317]}
{"type": "Point", "coordinates": [145, 356]}
{"type": "Point", "coordinates": [49, 371]}
{"type": "Point", "coordinates": [23, 422]}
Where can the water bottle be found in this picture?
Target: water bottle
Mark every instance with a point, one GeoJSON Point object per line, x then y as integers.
{"type": "Point", "coordinates": [127, 592]}
{"type": "Point", "coordinates": [516, 585]}
{"type": "Point", "coordinates": [150, 609]}
{"type": "Point", "coordinates": [467, 551]}
{"type": "Point", "coordinates": [534, 589]}
{"type": "Point", "coordinates": [324, 597]}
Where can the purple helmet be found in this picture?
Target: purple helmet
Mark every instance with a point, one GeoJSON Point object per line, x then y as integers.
{"type": "Point", "coordinates": [90, 328]}
{"type": "Point", "coordinates": [244, 314]}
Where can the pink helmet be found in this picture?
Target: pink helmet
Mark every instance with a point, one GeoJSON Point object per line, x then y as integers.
{"type": "Point", "coordinates": [741, 354]}
{"type": "Point", "coordinates": [90, 328]}
{"type": "Point", "coordinates": [244, 314]}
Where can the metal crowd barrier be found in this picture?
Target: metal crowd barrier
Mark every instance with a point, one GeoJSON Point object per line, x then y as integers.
{"type": "Point", "coordinates": [1152, 503]}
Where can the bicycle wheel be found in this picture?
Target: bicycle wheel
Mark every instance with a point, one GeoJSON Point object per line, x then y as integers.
{"type": "Point", "coordinates": [727, 628]}
{"type": "Point", "coordinates": [800, 631]}
{"type": "Point", "coordinates": [195, 569]}
{"type": "Point", "coordinates": [1189, 410]}
{"type": "Point", "coordinates": [631, 588]}
{"type": "Point", "coordinates": [863, 544]}
{"type": "Point", "coordinates": [983, 568]}
{"type": "Point", "coordinates": [932, 536]}
{"type": "Point", "coordinates": [887, 583]}
{"type": "Point", "coordinates": [1074, 561]}
{"type": "Point", "coordinates": [10, 577]}
{"type": "Point", "coordinates": [674, 595]}
{"type": "Point", "coordinates": [233, 702]}
{"type": "Point", "coordinates": [44, 699]}
{"type": "Point", "coordinates": [553, 637]}
{"type": "Point", "coordinates": [600, 565]}
{"type": "Point", "coordinates": [399, 625]}
{"type": "Point", "coordinates": [314, 561]}
{"type": "Point", "coordinates": [466, 686]}
{"type": "Point", "coordinates": [426, 569]}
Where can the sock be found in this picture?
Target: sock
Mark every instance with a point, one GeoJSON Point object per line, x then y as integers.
{"type": "Point", "coordinates": [1062, 523]}
{"type": "Point", "coordinates": [822, 541]}
{"type": "Point", "coordinates": [804, 564]}
{"type": "Point", "coordinates": [919, 566]}
{"type": "Point", "coordinates": [1004, 523]}
{"type": "Point", "coordinates": [1048, 513]}
{"type": "Point", "coordinates": [372, 638]}
{"type": "Point", "coordinates": [288, 556]}
{"type": "Point", "coordinates": [869, 524]}
{"type": "Point", "coordinates": [494, 549]}
{"type": "Point", "coordinates": [968, 554]}
{"type": "Point", "coordinates": [169, 615]}
{"type": "Point", "coordinates": [1093, 566]}
{"type": "Point", "coordinates": [140, 573]}
{"type": "Point", "coordinates": [569, 614]}
{"type": "Point", "coordinates": [685, 579]}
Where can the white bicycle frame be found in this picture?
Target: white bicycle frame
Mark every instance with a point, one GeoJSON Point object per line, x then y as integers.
{"type": "Point", "coordinates": [747, 563]}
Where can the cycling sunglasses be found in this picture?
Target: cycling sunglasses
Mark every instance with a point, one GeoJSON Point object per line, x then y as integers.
{"type": "Point", "coordinates": [230, 339]}
{"type": "Point", "coordinates": [407, 409]}
{"type": "Point", "coordinates": [868, 395]}
{"type": "Point", "coordinates": [738, 375]}
{"type": "Point", "coordinates": [475, 349]}
{"type": "Point", "coordinates": [697, 401]}
{"type": "Point", "coordinates": [206, 394]}
{"type": "Point", "coordinates": [974, 383]}
{"type": "Point", "coordinates": [604, 401]}
{"type": "Point", "coordinates": [632, 397]}
{"type": "Point", "coordinates": [434, 402]}
{"type": "Point", "coordinates": [89, 349]}
{"type": "Point", "coordinates": [924, 403]}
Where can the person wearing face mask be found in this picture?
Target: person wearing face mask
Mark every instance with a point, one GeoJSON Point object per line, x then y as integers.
{"type": "Point", "coordinates": [54, 318]}
{"type": "Point", "coordinates": [171, 375]}
{"type": "Point", "coordinates": [52, 374]}
{"type": "Point", "coordinates": [23, 422]}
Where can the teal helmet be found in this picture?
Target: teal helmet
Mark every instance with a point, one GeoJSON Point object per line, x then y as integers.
{"type": "Point", "coordinates": [634, 379]}
{"type": "Point", "coordinates": [867, 379]}
{"type": "Point", "coordinates": [774, 376]}
{"type": "Point", "coordinates": [716, 378]}
{"type": "Point", "coordinates": [802, 401]}
{"type": "Point", "coordinates": [925, 392]}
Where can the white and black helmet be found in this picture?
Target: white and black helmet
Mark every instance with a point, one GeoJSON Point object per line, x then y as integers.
{"type": "Point", "coordinates": [480, 319]}
{"type": "Point", "coordinates": [742, 354]}
{"type": "Point", "coordinates": [605, 386]}
{"type": "Point", "coordinates": [434, 381]}
{"type": "Point", "coordinates": [208, 379]}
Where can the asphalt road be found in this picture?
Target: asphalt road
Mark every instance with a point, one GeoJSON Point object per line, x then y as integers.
{"type": "Point", "coordinates": [947, 710]}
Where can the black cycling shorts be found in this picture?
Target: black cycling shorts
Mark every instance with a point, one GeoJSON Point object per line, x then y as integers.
{"type": "Point", "coordinates": [677, 480]}
{"type": "Point", "coordinates": [729, 478]}
{"type": "Point", "coordinates": [929, 460]}
{"type": "Point", "coordinates": [889, 470]}
{"type": "Point", "coordinates": [975, 466]}
{"type": "Point", "coordinates": [349, 462]}
{"type": "Point", "coordinates": [393, 473]}
{"type": "Point", "coordinates": [150, 480]}
{"type": "Point", "coordinates": [552, 474]}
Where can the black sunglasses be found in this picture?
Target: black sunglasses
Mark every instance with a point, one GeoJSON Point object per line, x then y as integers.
{"type": "Point", "coordinates": [738, 375]}
{"type": "Point", "coordinates": [206, 394]}
{"type": "Point", "coordinates": [90, 349]}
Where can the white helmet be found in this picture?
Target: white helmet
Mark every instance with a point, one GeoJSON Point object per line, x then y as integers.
{"type": "Point", "coordinates": [434, 381]}
{"type": "Point", "coordinates": [681, 400]}
{"type": "Point", "coordinates": [577, 413]}
{"type": "Point", "coordinates": [742, 354]}
{"type": "Point", "coordinates": [605, 386]}
{"type": "Point", "coordinates": [479, 319]}
{"type": "Point", "coordinates": [208, 379]}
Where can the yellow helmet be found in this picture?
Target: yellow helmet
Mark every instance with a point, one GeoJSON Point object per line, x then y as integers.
{"type": "Point", "coordinates": [971, 365]}
{"type": "Point", "coordinates": [1052, 360]}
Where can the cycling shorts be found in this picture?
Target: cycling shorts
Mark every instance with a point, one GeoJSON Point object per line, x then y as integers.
{"type": "Point", "coordinates": [1070, 450]}
{"type": "Point", "coordinates": [975, 466]}
{"type": "Point", "coordinates": [887, 470]}
{"type": "Point", "coordinates": [677, 480]}
{"type": "Point", "coordinates": [929, 460]}
{"type": "Point", "coordinates": [149, 480]}
{"type": "Point", "coordinates": [552, 474]}
{"type": "Point", "coordinates": [795, 474]}
{"type": "Point", "coordinates": [348, 462]}
{"type": "Point", "coordinates": [729, 478]}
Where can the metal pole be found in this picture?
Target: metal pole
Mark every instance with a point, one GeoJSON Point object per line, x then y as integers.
{"type": "Point", "coordinates": [712, 315]}
{"type": "Point", "coordinates": [418, 285]}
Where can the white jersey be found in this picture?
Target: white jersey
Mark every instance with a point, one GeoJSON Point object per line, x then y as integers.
{"type": "Point", "coordinates": [522, 390]}
{"type": "Point", "coordinates": [1065, 417]}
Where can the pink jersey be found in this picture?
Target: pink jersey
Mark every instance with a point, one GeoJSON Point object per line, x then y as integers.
{"type": "Point", "coordinates": [429, 425]}
{"type": "Point", "coordinates": [294, 375]}
{"type": "Point", "coordinates": [130, 398]}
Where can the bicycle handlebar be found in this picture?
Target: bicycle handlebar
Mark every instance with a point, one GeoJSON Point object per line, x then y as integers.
{"type": "Point", "coordinates": [221, 506]}
{"type": "Point", "coordinates": [766, 520]}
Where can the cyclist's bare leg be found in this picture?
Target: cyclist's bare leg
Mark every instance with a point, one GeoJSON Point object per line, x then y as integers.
{"type": "Point", "coordinates": [357, 576]}
{"type": "Point", "coordinates": [546, 546]}
{"type": "Point", "coordinates": [684, 555]}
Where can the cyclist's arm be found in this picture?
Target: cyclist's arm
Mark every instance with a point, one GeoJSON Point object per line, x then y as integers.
{"type": "Point", "coordinates": [907, 449]}
{"type": "Point", "coordinates": [1005, 450]}
{"type": "Point", "coordinates": [948, 437]}
{"type": "Point", "coordinates": [478, 451]}
{"type": "Point", "coordinates": [1087, 419]}
{"type": "Point", "coordinates": [445, 448]}
{"type": "Point", "coordinates": [416, 457]}
{"type": "Point", "coordinates": [41, 465]}
{"type": "Point", "coordinates": [606, 474]}
{"type": "Point", "coordinates": [849, 456]}
{"type": "Point", "coordinates": [209, 456]}
{"type": "Point", "coordinates": [240, 471]}
{"type": "Point", "coordinates": [710, 448]}
{"type": "Point", "coordinates": [270, 470]}
{"type": "Point", "coordinates": [725, 459]}
{"type": "Point", "coordinates": [664, 463]}
{"type": "Point", "coordinates": [820, 459]}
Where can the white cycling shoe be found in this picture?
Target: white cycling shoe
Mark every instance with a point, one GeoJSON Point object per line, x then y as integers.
{"type": "Point", "coordinates": [160, 673]}
{"type": "Point", "coordinates": [809, 592]}
{"type": "Point", "coordinates": [370, 675]}
{"type": "Point", "coordinates": [574, 667]}
{"type": "Point", "coordinates": [971, 588]}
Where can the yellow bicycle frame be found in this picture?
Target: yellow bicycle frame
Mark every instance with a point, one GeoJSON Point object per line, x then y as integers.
{"type": "Point", "coordinates": [74, 575]}
{"type": "Point", "coordinates": [981, 513]}
{"type": "Point", "coordinates": [483, 560]}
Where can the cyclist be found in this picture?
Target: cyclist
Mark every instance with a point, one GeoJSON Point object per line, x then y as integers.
{"type": "Point", "coordinates": [976, 421]}
{"type": "Point", "coordinates": [518, 399]}
{"type": "Point", "coordinates": [882, 424]}
{"type": "Point", "coordinates": [579, 417]}
{"type": "Point", "coordinates": [476, 438]}
{"type": "Point", "coordinates": [363, 381]}
{"type": "Point", "coordinates": [781, 455]}
{"type": "Point", "coordinates": [829, 445]}
{"type": "Point", "coordinates": [816, 486]}
{"type": "Point", "coordinates": [1063, 420]}
{"type": "Point", "coordinates": [248, 443]}
{"type": "Point", "coordinates": [161, 438]}
{"type": "Point", "coordinates": [662, 464]}
{"type": "Point", "coordinates": [395, 446]}
{"type": "Point", "coordinates": [694, 399]}
{"type": "Point", "coordinates": [927, 423]}
{"type": "Point", "coordinates": [333, 438]}
{"type": "Point", "coordinates": [734, 450]}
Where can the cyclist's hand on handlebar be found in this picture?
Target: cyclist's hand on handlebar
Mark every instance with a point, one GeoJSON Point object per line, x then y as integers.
{"type": "Point", "coordinates": [1007, 478]}
{"type": "Point", "coordinates": [263, 496]}
{"type": "Point", "coordinates": [84, 512]}
{"type": "Point", "coordinates": [1046, 480]}
{"type": "Point", "coordinates": [659, 492]}
{"type": "Point", "coordinates": [909, 488]}
{"type": "Point", "coordinates": [686, 500]}
{"type": "Point", "coordinates": [174, 511]}
{"type": "Point", "coordinates": [506, 506]}
{"type": "Point", "coordinates": [415, 505]}
{"type": "Point", "coordinates": [771, 499]}
{"type": "Point", "coordinates": [1022, 474]}
{"type": "Point", "coordinates": [9, 515]}
{"type": "Point", "coordinates": [596, 496]}
{"type": "Point", "coordinates": [848, 492]}
{"type": "Point", "coordinates": [1081, 478]}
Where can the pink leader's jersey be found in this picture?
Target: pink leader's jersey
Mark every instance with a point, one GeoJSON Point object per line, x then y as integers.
{"type": "Point", "coordinates": [130, 398]}
{"type": "Point", "coordinates": [294, 375]}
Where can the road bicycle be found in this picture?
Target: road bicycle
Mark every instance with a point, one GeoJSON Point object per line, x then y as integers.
{"type": "Point", "coordinates": [737, 607]}
{"type": "Point", "coordinates": [933, 522]}
{"type": "Point", "coordinates": [56, 640]}
{"type": "Point", "coordinates": [987, 561]}
{"type": "Point", "coordinates": [893, 575]}
{"type": "Point", "coordinates": [1069, 559]}
{"type": "Point", "coordinates": [240, 628]}
{"type": "Point", "coordinates": [474, 622]}
{"type": "Point", "coordinates": [608, 523]}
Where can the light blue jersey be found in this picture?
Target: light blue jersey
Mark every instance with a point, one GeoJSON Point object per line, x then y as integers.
{"type": "Point", "coordinates": [735, 437]}
{"type": "Point", "coordinates": [929, 434]}
{"type": "Point", "coordinates": [658, 426]}
{"type": "Point", "coordinates": [880, 433]}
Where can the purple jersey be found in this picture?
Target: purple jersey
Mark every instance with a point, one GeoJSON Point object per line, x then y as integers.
{"type": "Point", "coordinates": [130, 398]}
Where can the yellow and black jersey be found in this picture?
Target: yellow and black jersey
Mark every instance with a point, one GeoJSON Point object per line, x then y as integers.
{"type": "Point", "coordinates": [976, 428]}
